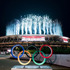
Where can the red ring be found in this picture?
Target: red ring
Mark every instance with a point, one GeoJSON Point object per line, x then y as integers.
{"type": "Point", "coordinates": [49, 47]}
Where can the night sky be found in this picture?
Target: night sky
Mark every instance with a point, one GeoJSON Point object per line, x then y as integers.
{"type": "Point", "coordinates": [55, 9]}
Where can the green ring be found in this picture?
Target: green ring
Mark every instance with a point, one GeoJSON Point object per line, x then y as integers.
{"type": "Point", "coordinates": [35, 61]}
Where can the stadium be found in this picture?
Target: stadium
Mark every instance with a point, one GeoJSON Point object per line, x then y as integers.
{"type": "Point", "coordinates": [7, 42]}
{"type": "Point", "coordinates": [33, 30]}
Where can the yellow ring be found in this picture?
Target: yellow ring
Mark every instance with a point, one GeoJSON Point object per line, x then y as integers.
{"type": "Point", "coordinates": [19, 58]}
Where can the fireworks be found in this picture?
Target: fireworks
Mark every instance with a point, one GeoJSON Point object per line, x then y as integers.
{"type": "Point", "coordinates": [34, 25]}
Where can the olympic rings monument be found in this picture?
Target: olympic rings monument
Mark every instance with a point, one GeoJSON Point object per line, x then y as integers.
{"type": "Point", "coordinates": [36, 26]}
{"type": "Point", "coordinates": [38, 66]}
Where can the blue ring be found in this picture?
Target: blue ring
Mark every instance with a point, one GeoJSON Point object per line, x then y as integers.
{"type": "Point", "coordinates": [13, 48]}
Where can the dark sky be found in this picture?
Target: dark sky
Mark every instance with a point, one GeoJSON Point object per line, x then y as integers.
{"type": "Point", "coordinates": [55, 9]}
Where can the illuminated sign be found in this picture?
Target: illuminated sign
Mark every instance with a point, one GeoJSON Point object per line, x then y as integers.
{"type": "Point", "coordinates": [33, 38]}
{"type": "Point", "coordinates": [8, 50]}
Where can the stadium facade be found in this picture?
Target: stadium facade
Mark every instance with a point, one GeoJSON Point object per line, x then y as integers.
{"type": "Point", "coordinates": [7, 42]}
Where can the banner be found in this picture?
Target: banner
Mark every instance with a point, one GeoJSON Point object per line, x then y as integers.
{"type": "Point", "coordinates": [65, 39]}
{"type": "Point", "coordinates": [33, 38]}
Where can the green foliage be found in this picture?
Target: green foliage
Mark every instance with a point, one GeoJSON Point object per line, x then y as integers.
{"type": "Point", "coordinates": [61, 50]}
{"type": "Point", "coordinates": [56, 50]}
{"type": "Point", "coordinates": [31, 51]}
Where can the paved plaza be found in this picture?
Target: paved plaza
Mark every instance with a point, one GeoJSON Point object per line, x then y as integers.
{"type": "Point", "coordinates": [7, 64]}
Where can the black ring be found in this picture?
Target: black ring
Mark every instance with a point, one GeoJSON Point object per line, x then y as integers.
{"type": "Point", "coordinates": [35, 48]}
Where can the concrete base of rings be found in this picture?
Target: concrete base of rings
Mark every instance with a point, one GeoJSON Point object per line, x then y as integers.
{"type": "Point", "coordinates": [31, 67]}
